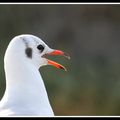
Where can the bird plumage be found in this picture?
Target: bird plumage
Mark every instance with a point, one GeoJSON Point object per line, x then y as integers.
{"type": "Point", "coordinates": [25, 92]}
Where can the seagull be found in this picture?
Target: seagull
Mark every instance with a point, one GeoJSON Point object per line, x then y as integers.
{"type": "Point", "coordinates": [25, 93]}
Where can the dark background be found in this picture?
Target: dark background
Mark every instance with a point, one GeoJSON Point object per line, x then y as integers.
{"type": "Point", "coordinates": [91, 35]}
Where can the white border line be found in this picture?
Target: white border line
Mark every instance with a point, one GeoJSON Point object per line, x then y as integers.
{"type": "Point", "coordinates": [61, 116]}
{"type": "Point", "coordinates": [72, 116]}
{"type": "Point", "coordinates": [57, 3]}
{"type": "Point", "coordinates": [54, 3]}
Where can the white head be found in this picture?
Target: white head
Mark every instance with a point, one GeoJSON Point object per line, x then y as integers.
{"type": "Point", "coordinates": [24, 85]}
{"type": "Point", "coordinates": [32, 49]}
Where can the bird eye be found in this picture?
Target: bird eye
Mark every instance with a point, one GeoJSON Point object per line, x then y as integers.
{"type": "Point", "coordinates": [40, 47]}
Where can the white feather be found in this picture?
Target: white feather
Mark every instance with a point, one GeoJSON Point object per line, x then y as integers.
{"type": "Point", "coordinates": [25, 92]}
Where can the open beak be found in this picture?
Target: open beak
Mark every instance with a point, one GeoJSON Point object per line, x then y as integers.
{"type": "Point", "coordinates": [56, 52]}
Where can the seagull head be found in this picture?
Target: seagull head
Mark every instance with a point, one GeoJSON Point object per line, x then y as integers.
{"type": "Point", "coordinates": [32, 49]}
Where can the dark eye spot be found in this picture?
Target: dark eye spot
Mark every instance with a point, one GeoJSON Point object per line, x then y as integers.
{"type": "Point", "coordinates": [40, 47]}
{"type": "Point", "coordinates": [28, 52]}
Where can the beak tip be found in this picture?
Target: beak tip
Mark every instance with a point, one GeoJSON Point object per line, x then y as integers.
{"type": "Point", "coordinates": [69, 58]}
{"type": "Point", "coordinates": [65, 69]}
{"type": "Point", "coordinates": [66, 55]}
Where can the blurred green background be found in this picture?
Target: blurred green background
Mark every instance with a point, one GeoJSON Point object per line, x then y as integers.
{"type": "Point", "coordinates": [91, 35]}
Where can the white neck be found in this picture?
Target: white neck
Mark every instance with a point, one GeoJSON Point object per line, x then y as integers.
{"type": "Point", "coordinates": [25, 89]}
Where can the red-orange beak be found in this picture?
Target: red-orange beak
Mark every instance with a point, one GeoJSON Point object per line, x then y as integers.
{"type": "Point", "coordinates": [57, 52]}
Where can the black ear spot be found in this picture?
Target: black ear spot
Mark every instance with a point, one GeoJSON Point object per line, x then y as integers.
{"type": "Point", "coordinates": [28, 52]}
